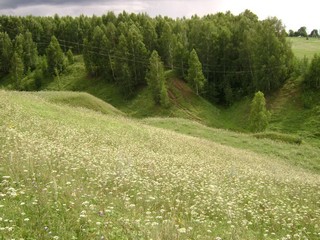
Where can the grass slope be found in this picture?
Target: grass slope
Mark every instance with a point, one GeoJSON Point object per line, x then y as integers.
{"type": "Point", "coordinates": [305, 155]}
{"type": "Point", "coordinates": [74, 173]}
{"type": "Point", "coordinates": [290, 115]}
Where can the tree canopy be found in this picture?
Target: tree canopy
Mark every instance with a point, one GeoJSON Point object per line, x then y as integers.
{"type": "Point", "coordinates": [238, 54]}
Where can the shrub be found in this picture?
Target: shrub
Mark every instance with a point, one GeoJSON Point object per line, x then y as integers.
{"type": "Point", "coordinates": [259, 116]}
{"type": "Point", "coordinates": [279, 137]}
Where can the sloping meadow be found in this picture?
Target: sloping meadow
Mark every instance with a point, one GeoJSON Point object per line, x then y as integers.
{"type": "Point", "coordinates": [76, 174]}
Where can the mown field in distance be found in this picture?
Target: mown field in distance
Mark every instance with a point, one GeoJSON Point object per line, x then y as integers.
{"type": "Point", "coordinates": [302, 47]}
{"type": "Point", "coordinates": [73, 173]}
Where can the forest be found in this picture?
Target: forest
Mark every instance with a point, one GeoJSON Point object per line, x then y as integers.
{"type": "Point", "coordinates": [238, 54]}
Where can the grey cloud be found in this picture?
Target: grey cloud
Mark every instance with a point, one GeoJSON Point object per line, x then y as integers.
{"type": "Point", "coordinates": [171, 8]}
{"type": "Point", "coordinates": [12, 4]}
{"type": "Point", "coordinates": [71, 7]}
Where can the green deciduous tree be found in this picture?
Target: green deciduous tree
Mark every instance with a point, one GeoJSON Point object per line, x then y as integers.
{"type": "Point", "coordinates": [40, 72]}
{"type": "Point", "coordinates": [302, 32]}
{"type": "Point", "coordinates": [259, 116]}
{"type": "Point", "coordinates": [55, 57]}
{"type": "Point", "coordinates": [6, 50]}
{"type": "Point", "coordinates": [312, 76]}
{"type": "Point", "coordinates": [273, 56]}
{"type": "Point", "coordinates": [17, 70]}
{"type": "Point", "coordinates": [122, 69]}
{"type": "Point", "coordinates": [138, 54]}
{"type": "Point", "coordinates": [166, 43]}
{"type": "Point", "coordinates": [195, 75]}
{"type": "Point", "coordinates": [156, 80]}
{"type": "Point", "coordinates": [30, 52]}
{"type": "Point", "coordinates": [314, 33]}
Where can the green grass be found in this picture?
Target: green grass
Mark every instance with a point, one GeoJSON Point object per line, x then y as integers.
{"type": "Point", "coordinates": [292, 114]}
{"type": "Point", "coordinates": [305, 48]}
{"type": "Point", "coordinates": [74, 173]}
{"type": "Point", "coordinates": [305, 155]}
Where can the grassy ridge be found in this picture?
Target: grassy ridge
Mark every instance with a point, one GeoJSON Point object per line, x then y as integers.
{"type": "Point", "coordinates": [79, 99]}
{"type": "Point", "coordinates": [73, 173]}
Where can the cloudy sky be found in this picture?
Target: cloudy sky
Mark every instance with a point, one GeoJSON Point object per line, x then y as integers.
{"type": "Point", "coordinates": [293, 13]}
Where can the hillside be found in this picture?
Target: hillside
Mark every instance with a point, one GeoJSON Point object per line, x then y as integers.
{"type": "Point", "coordinates": [184, 102]}
{"type": "Point", "coordinates": [75, 173]}
{"type": "Point", "coordinates": [289, 114]}
{"type": "Point", "coordinates": [294, 112]}
{"type": "Point", "coordinates": [288, 105]}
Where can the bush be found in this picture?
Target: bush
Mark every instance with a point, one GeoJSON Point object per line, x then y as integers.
{"type": "Point", "coordinates": [279, 137]}
{"type": "Point", "coordinates": [312, 76]}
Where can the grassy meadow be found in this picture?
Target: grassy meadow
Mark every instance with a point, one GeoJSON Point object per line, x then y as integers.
{"type": "Point", "coordinates": [69, 172]}
{"type": "Point", "coordinates": [76, 165]}
{"type": "Point", "coordinates": [305, 48]}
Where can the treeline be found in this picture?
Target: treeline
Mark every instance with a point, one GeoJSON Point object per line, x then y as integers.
{"type": "Point", "coordinates": [302, 32]}
{"type": "Point", "coordinates": [239, 55]}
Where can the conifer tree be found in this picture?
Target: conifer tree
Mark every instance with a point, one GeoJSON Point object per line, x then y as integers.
{"type": "Point", "coordinates": [195, 75]}
{"type": "Point", "coordinates": [259, 116]}
{"type": "Point", "coordinates": [70, 57]}
{"type": "Point", "coordinates": [55, 57]}
{"type": "Point", "coordinates": [156, 80]}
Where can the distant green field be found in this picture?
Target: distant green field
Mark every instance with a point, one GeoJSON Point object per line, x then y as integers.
{"type": "Point", "coordinates": [302, 47]}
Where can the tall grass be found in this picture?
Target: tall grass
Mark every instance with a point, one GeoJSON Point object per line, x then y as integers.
{"type": "Point", "coordinates": [70, 173]}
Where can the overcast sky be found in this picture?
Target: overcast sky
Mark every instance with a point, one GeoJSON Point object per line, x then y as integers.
{"type": "Point", "coordinates": [293, 13]}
